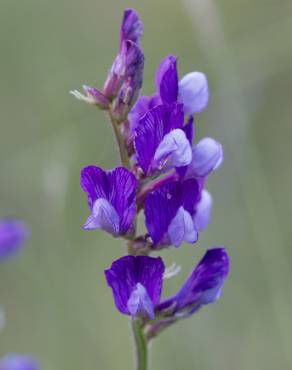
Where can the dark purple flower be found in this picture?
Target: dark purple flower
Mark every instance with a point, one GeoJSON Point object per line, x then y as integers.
{"type": "Point", "coordinates": [167, 80]}
{"type": "Point", "coordinates": [136, 283]}
{"type": "Point", "coordinates": [160, 140]}
{"type": "Point", "coordinates": [111, 199]}
{"type": "Point", "coordinates": [203, 286]}
{"type": "Point", "coordinates": [18, 362]}
{"type": "Point", "coordinates": [13, 234]}
{"type": "Point", "coordinates": [169, 212]}
{"type": "Point", "coordinates": [132, 27]}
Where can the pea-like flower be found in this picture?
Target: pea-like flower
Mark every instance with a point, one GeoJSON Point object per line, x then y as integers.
{"type": "Point", "coordinates": [13, 235]}
{"type": "Point", "coordinates": [136, 283]}
{"type": "Point", "coordinates": [111, 198]}
{"type": "Point", "coordinates": [15, 361]}
{"type": "Point", "coordinates": [160, 140]}
{"type": "Point", "coordinates": [170, 213]}
{"type": "Point", "coordinates": [203, 286]}
{"type": "Point", "coordinates": [192, 91]}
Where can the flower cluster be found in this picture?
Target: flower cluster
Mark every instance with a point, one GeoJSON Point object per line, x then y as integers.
{"type": "Point", "coordinates": [163, 174]}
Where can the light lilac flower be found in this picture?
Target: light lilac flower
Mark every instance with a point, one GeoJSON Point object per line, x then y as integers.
{"type": "Point", "coordinates": [13, 235]}
{"type": "Point", "coordinates": [18, 362]}
{"type": "Point", "coordinates": [169, 212]}
{"type": "Point", "coordinates": [111, 199]}
{"type": "Point", "coordinates": [160, 140]}
{"type": "Point", "coordinates": [203, 286]}
{"type": "Point", "coordinates": [207, 156]}
{"type": "Point", "coordinates": [136, 284]}
{"type": "Point", "coordinates": [193, 92]}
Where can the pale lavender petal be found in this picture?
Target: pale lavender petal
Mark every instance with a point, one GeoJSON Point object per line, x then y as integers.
{"type": "Point", "coordinates": [174, 150]}
{"type": "Point", "coordinates": [194, 92]}
{"type": "Point", "coordinates": [203, 286]}
{"type": "Point", "coordinates": [182, 229]}
{"type": "Point", "coordinates": [153, 126]}
{"type": "Point", "coordinates": [13, 235]}
{"type": "Point", "coordinates": [104, 217]}
{"type": "Point", "coordinates": [123, 277]}
{"type": "Point", "coordinates": [203, 213]}
{"type": "Point", "coordinates": [15, 361]}
{"type": "Point", "coordinates": [207, 157]}
{"type": "Point", "coordinates": [140, 303]}
{"type": "Point", "coordinates": [167, 80]}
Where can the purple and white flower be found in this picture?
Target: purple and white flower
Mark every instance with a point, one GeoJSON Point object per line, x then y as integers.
{"type": "Point", "coordinates": [111, 198]}
{"type": "Point", "coordinates": [136, 283]}
{"type": "Point", "coordinates": [13, 235]}
{"type": "Point", "coordinates": [160, 141]}
{"type": "Point", "coordinates": [203, 286]}
{"type": "Point", "coordinates": [170, 213]}
{"type": "Point", "coordinates": [192, 91]}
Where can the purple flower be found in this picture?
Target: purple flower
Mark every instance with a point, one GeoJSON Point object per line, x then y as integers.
{"type": "Point", "coordinates": [160, 140]}
{"type": "Point", "coordinates": [132, 27]}
{"type": "Point", "coordinates": [18, 362]}
{"type": "Point", "coordinates": [111, 199]}
{"type": "Point", "coordinates": [136, 283]}
{"type": "Point", "coordinates": [13, 234]}
{"type": "Point", "coordinates": [203, 286]}
{"type": "Point", "coordinates": [192, 91]}
{"type": "Point", "coordinates": [207, 156]}
{"type": "Point", "coordinates": [169, 212]}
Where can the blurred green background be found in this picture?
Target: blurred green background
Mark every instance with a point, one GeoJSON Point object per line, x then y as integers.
{"type": "Point", "coordinates": [56, 301]}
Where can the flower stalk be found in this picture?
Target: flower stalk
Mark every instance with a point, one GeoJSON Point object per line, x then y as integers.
{"type": "Point", "coordinates": [141, 346]}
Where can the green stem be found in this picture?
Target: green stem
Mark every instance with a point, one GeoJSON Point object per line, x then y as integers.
{"type": "Point", "coordinates": [140, 345]}
{"type": "Point", "coordinates": [120, 140]}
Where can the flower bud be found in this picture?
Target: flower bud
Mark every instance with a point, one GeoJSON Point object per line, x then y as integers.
{"type": "Point", "coordinates": [93, 96]}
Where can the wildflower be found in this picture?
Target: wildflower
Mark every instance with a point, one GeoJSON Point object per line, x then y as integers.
{"type": "Point", "coordinates": [192, 91]}
{"type": "Point", "coordinates": [111, 199]}
{"type": "Point", "coordinates": [203, 286]}
{"type": "Point", "coordinates": [18, 362]}
{"type": "Point", "coordinates": [136, 283]}
{"type": "Point", "coordinates": [13, 234]}
{"type": "Point", "coordinates": [160, 140]}
{"type": "Point", "coordinates": [169, 212]}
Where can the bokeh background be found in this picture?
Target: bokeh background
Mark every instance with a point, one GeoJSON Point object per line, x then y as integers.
{"type": "Point", "coordinates": [57, 304]}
